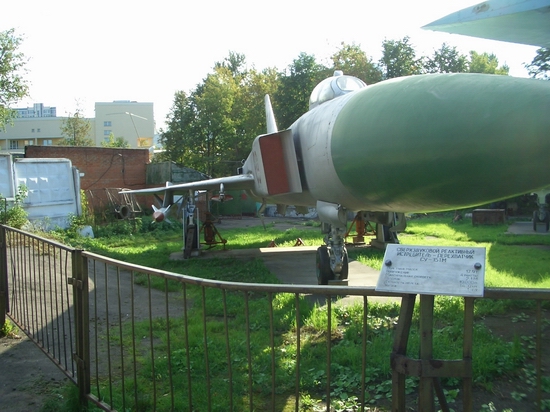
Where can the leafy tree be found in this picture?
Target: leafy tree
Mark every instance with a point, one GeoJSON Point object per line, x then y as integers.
{"type": "Point", "coordinates": [399, 59]}
{"type": "Point", "coordinates": [353, 61]}
{"type": "Point", "coordinates": [292, 97]}
{"type": "Point", "coordinates": [76, 130]}
{"type": "Point", "coordinates": [173, 138]}
{"type": "Point", "coordinates": [216, 124]}
{"type": "Point", "coordinates": [252, 108]}
{"type": "Point", "coordinates": [212, 127]}
{"type": "Point", "coordinates": [116, 142]}
{"type": "Point", "coordinates": [234, 63]}
{"type": "Point", "coordinates": [446, 60]}
{"type": "Point", "coordinates": [539, 68]}
{"type": "Point", "coordinates": [12, 85]}
{"type": "Point", "coordinates": [487, 64]}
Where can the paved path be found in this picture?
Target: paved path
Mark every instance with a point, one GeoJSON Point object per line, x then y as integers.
{"type": "Point", "coordinates": [296, 266]}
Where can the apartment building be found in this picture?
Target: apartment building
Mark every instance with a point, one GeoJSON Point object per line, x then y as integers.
{"type": "Point", "coordinates": [39, 125]}
{"type": "Point", "coordinates": [134, 121]}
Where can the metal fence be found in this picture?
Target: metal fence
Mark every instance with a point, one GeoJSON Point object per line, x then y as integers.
{"type": "Point", "coordinates": [130, 346]}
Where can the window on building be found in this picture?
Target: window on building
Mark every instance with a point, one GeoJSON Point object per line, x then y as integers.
{"type": "Point", "coordinates": [106, 132]}
{"type": "Point", "coordinates": [14, 144]}
{"type": "Point", "coordinates": [29, 142]}
{"type": "Point", "coordinates": [47, 142]}
{"type": "Point", "coordinates": [32, 130]}
{"type": "Point", "coordinates": [38, 130]}
{"type": "Point", "coordinates": [107, 124]}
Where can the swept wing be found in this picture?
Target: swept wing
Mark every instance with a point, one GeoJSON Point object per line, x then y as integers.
{"type": "Point", "coordinates": [238, 182]}
{"type": "Point", "coordinates": [515, 21]}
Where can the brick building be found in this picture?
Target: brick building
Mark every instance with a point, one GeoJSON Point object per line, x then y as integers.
{"type": "Point", "coordinates": [100, 168]}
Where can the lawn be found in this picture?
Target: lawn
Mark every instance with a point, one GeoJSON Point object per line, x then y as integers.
{"type": "Point", "coordinates": [512, 261]}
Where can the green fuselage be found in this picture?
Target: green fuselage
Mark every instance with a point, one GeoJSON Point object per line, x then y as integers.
{"type": "Point", "coordinates": [425, 143]}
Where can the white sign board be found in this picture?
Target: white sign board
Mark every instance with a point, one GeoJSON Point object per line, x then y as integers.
{"type": "Point", "coordinates": [433, 270]}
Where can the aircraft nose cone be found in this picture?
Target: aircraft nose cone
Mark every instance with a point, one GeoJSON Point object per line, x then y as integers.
{"type": "Point", "coordinates": [439, 142]}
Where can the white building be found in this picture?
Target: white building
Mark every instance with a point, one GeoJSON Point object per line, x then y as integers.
{"type": "Point", "coordinates": [124, 118]}
{"type": "Point", "coordinates": [133, 121]}
{"type": "Point", "coordinates": [38, 110]}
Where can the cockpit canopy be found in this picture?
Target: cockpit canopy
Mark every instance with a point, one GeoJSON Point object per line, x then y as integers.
{"type": "Point", "coordinates": [337, 85]}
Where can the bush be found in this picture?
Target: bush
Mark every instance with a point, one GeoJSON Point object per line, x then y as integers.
{"type": "Point", "coordinates": [14, 215]}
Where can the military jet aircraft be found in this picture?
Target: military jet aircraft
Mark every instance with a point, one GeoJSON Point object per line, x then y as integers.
{"type": "Point", "coordinates": [414, 144]}
{"type": "Point", "coordinates": [515, 21]}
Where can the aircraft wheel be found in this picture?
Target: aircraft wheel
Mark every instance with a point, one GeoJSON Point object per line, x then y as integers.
{"type": "Point", "coordinates": [345, 267]}
{"type": "Point", "coordinates": [324, 273]}
{"type": "Point", "coordinates": [547, 220]}
{"type": "Point", "coordinates": [535, 219]}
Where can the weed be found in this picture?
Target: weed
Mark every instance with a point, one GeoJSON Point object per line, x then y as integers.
{"type": "Point", "coordinates": [14, 215]}
{"type": "Point", "coordinates": [9, 330]}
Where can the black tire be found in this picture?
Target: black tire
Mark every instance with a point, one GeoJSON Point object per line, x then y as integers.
{"type": "Point", "coordinates": [323, 270]}
{"type": "Point", "coordinates": [345, 267]}
{"type": "Point", "coordinates": [547, 220]}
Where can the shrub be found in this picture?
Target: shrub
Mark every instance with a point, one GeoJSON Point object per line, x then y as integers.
{"type": "Point", "coordinates": [14, 215]}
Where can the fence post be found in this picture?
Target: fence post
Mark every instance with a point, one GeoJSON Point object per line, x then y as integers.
{"type": "Point", "coordinates": [4, 307]}
{"type": "Point", "coordinates": [82, 323]}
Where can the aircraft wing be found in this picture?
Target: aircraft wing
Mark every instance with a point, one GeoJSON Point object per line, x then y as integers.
{"type": "Point", "coordinates": [514, 21]}
{"type": "Point", "coordinates": [237, 182]}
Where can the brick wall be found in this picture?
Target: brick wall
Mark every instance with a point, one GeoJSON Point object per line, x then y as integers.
{"type": "Point", "coordinates": [101, 167]}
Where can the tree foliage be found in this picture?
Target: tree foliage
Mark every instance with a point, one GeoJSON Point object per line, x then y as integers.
{"type": "Point", "coordinates": [211, 128]}
{"type": "Point", "coordinates": [113, 141]}
{"type": "Point", "coordinates": [399, 59]}
{"type": "Point", "coordinates": [76, 130]}
{"type": "Point", "coordinates": [354, 62]}
{"type": "Point", "coordinates": [487, 64]}
{"type": "Point", "coordinates": [539, 68]}
{"type": "Point", "coordinates": [446, 60]}
{"type": "Point", "coordinates": [292, 97]}
{"type": "Point", "coordinates": [13, 87]}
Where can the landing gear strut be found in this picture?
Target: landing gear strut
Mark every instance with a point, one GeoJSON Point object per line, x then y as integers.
{"type": "Point", "coordinates": [332, 263]}
{"type": "Point", "coordinates": [332, 259]}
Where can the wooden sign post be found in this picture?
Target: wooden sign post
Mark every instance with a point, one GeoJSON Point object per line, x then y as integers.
{"type": "Point", "coordinates": [431, 271]}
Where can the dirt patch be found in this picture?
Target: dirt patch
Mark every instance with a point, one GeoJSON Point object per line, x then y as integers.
{"type": "Point", "coordinates": [519, 391]}
{"type": "Point", "coordinates": [27, 376]}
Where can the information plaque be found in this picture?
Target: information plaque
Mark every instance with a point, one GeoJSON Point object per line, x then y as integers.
{"type": "Point", "coordinates": [433, 270]}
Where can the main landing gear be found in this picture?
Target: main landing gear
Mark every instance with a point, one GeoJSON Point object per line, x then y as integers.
{"type": "Point", "coordinates": [332, 262]}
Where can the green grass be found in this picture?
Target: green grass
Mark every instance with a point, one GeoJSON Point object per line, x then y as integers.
{"type": "Point", "coordinates": [512, 261]}
{"type": "Point", "coordinates": [509, 264]}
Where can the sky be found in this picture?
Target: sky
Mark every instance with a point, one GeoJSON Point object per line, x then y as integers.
{"type": "Point", "coordinates": [80, 52]}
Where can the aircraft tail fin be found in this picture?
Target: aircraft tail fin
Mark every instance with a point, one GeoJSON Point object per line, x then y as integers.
{"type": "Point", "coordinates": [269, 116]}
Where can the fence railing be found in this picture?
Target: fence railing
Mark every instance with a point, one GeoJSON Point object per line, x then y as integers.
{"type": "Point", "coordinates": [137, 338]}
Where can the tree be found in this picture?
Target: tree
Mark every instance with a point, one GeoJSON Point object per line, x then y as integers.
{"type": "Point", "coordinates": [487, 64]}
{"type": "Point", "coordinates": [446, 60]}
{"type": "Point", "coordinates": [173, 138]}
{"type": "Point", "coordinates": [353, 61]}
{"type": "Point", "coordinates": [539, 68]}
{"type": "Point", "coordinates": [211, 128]}
{"type": "Point", "coordinates": [292, 97]}
{"type": "Point", "coordinates": [76, 130]}
{"type": "Point", "coordinates": [13, 87]}
{"type": "Point", "coordinates": [116, 142]}
{"type": "Point", "coordinates": [399, 59]}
